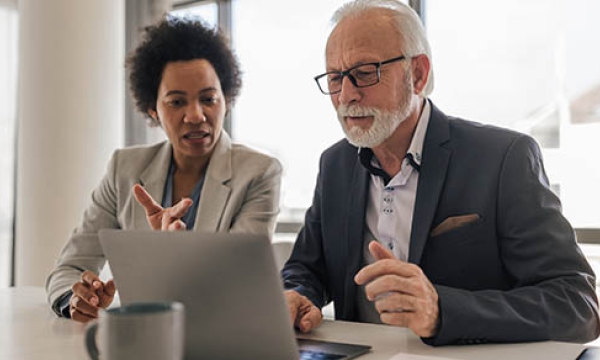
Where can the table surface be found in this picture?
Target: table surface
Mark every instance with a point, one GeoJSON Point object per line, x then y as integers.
{"type": "Point", "coordinates": [29, 330]}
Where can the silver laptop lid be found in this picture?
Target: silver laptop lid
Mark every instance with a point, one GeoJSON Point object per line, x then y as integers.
{"type": "Point", "coordinates": [229, 285]}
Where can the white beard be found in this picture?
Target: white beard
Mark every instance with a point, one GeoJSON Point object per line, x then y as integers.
{"type": "Point", "coordinates": [385, 122]}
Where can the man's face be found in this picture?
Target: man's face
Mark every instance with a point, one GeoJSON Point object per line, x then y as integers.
{"type": "Point", "coordinates": [371, 114]}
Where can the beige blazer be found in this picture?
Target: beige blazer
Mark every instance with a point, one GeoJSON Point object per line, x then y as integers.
{"type": "Point", "coordinates": [240, 194]}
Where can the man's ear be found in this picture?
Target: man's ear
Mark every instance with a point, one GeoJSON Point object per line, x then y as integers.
{"type": "Point", "coordinates": [420, 68]}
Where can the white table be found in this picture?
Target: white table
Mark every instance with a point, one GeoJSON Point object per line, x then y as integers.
{"type": "Point", "coordinates": [29, 330]}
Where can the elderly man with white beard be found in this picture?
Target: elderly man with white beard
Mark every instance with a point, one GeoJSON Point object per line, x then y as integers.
{"type": "Point", "coordinates": [420, 220]}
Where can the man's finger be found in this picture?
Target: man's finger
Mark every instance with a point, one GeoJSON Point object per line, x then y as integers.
{"type": "Point", "coordinates": [146, 200]}
{"type": "Point", "coordinates": [395, 302]}
{"type": "Point", "coordinates": [379, 251]}
{"type": "Point", "coordinates": [389, 283]}
{"type": "Point", "coordinates": [311, 320]}
{"type": "Point", "coordinates": [293, 304]}
{"type": "Point", "coordinates": [401, 319]}
{"type": "Point", "coordinates": [305, 315]}
{"type": "Point", "coordinates": [386, 267]}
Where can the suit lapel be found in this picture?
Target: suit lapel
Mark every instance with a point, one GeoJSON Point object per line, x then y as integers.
{"type": "Point", "coordinates": [216, 190]}
{"type": "Point", "coordinates": [153, 179]}
{"type": "Point", "coordinates": [357, 205]}
{"type": "Point", "coordinates": [431, 180]}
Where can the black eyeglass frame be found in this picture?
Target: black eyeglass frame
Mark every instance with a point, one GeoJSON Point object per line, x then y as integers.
{"type": "Point", "coordinates": [352, 78]}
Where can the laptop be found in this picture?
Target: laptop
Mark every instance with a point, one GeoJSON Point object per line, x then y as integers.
{"type": "Point", "coordinates": [229, 284]}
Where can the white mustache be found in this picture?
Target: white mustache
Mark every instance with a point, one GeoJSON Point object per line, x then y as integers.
{"type": "Point", "coordinates": [357, 111]}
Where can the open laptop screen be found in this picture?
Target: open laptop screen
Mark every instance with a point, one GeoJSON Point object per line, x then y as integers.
{"type": "Point", "coordinates": [229, 284]}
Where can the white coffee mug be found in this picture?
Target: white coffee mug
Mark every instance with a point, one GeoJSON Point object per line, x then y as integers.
{"type": "Point", "coordinates": [152, 330]}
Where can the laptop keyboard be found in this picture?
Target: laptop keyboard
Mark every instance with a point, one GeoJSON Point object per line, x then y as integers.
{"type": "Point", "coordinates": [318, 355]}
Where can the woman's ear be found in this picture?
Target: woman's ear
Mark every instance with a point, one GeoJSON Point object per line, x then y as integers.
{"type": "Point", "coordinates": [154, 116]}
{"type": "Point", "coordinates": [227, 106]}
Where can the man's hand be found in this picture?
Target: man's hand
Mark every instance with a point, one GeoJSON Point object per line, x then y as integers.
{"type": "Point", "coordinates": [159, 218]}
{"type": "Point", "coordinates": [89, 295]}
{"type": "Point", "coordinates": [305, 315]}
{"type": "Point", "coordinates": [402, 293]}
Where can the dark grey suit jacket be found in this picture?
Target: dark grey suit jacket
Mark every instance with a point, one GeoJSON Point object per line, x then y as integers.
{"type": "Point", "coordinates": [516, 274]}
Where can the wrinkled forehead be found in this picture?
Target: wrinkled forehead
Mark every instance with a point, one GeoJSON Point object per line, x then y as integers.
{"type": "Point", "coordinates": [368, 36]}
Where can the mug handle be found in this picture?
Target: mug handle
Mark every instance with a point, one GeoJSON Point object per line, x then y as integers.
{"type": "Point", "coordinates": [90, 341]}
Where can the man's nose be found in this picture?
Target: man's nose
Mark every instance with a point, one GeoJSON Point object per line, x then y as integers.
{"type": "Point", "coordinates": [195, 113]}
{"type": "Point", "coordinates": [349, 93]}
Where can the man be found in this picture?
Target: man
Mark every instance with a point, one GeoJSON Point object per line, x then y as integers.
{"type": "Point", "coordinates": [470, 246]}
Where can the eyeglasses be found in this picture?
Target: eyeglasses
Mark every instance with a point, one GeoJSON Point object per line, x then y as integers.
{"type": "Point", "coordinates": [360, 76]}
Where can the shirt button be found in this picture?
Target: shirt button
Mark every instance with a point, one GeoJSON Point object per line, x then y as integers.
{"type": "Point", "coordinates": [387, 199]}
{"type": "Point", "coordinates": [388, 211]}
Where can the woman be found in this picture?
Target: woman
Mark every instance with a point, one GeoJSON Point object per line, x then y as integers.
{"type": "Point", "coordinates": [184, 78]}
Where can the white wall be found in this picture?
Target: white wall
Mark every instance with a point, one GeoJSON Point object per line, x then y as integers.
{"type": "Point", "coordinates": [70, 120]}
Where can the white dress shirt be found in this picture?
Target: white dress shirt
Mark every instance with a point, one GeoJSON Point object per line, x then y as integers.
{"type": "Point", "coordinates": [390, 208]}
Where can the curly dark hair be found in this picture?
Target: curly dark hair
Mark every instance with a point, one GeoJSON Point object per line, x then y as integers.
{"type": "Point", "coordinates": [179, 39]}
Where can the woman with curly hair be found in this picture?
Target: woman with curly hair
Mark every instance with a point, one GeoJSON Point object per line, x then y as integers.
{"type": "Point", "coordinates": [184, 78]}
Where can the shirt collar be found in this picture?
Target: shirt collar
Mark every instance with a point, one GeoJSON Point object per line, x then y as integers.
{"type": "Point", "coordinates": [414, 153]}
{"type": "Point", "coordinates": [418, 139]}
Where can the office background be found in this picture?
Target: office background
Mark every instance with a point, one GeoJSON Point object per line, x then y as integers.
{"type": "Point", "coordinates": [529, 65]}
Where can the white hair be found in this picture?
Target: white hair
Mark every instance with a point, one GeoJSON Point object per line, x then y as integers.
{"type": "Point", "coordinates": [409, 26]}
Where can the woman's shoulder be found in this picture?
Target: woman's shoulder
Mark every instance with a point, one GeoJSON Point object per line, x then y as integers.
{"type": "Point", "coordinates": [138, 157]}
{"type": "Point", "coordinates": [245, 156]}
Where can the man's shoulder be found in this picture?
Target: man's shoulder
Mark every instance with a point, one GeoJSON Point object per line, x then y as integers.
{"type": "Point", "coordinates": [459, 126]}
{"type": "Point", "coordinates": [477, 135]}
{"type": "Point", "coordinates": [341, 149]}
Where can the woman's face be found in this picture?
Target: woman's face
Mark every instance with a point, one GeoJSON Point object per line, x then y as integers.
{"type": "Point", "coordinates": [190, 107]}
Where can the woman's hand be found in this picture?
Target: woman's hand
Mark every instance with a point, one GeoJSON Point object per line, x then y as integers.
{"type": "Point", "coordinates": [89, 295]}
{"type": "Point", "coordinates": [159, 218]}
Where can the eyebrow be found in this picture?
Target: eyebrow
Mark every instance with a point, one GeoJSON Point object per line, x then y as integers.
{"type": "Point", "coordinates": [361, 62]}
{"type": "Point", "coordinates": [181, 92]}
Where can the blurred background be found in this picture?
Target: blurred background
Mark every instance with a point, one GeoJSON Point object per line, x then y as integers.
{"type": "Point", "coordinates": [528, 65]}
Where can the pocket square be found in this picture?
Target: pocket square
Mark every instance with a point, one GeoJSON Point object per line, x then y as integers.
{"type": "Point", "coordinates": [453, 222]}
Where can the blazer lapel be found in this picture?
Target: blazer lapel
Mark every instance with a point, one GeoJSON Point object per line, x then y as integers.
{"type": "Point", "coordinates": [153, 179]}
{"type": "Point", "coordinates": [357, 205]}
{"type": "Point", "coordinates": [216, 190]}
{"type": "Point", "coordinates": [431, 180]}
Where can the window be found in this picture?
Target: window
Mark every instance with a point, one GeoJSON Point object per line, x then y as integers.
{"type": "Point", "coordinates": [280, 109]}
{"type": "Point", "coordinates": [207, 10]}
{"type": "Point", "coordinates": [529, 66]}
{"type": "Point", "coordinates": [8, 99]}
